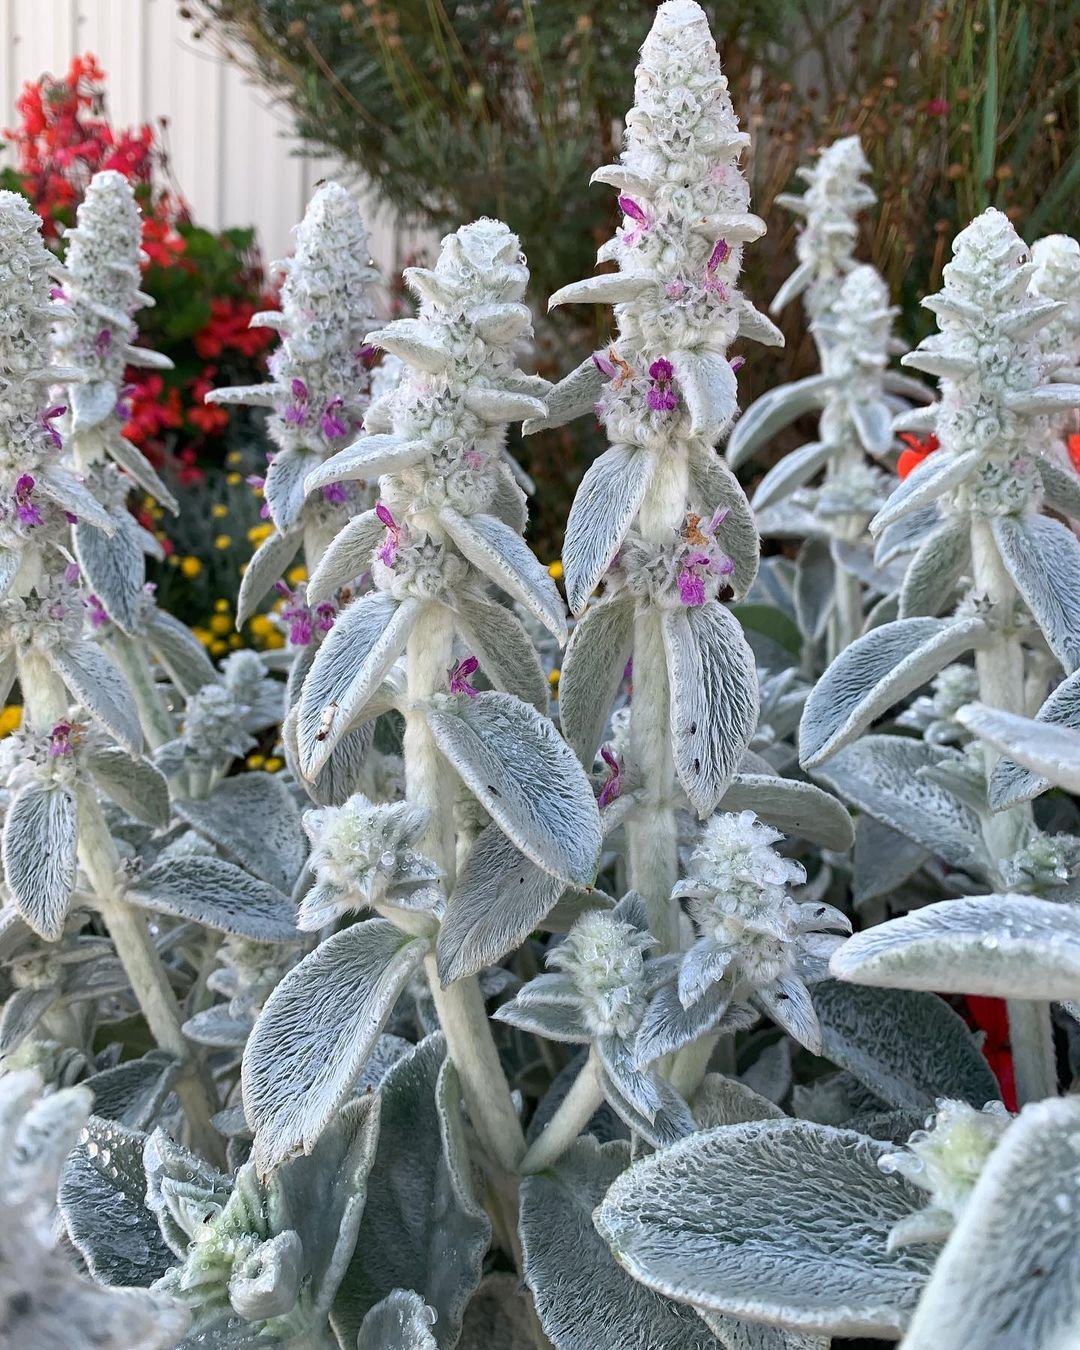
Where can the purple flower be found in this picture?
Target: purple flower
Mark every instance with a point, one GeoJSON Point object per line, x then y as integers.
{"type": "Point", "coordinates": [719, 255]}
{"type": "Point", "coordinates": [300, 391]}
{"type": "Point", "coordinates": [736, 363]}
{"type": "Point", "coordinates": [662, 400]}
{"type": "Point", "coordinates": [325, 615]}
{"type": "Point", "coordinates": [337, 494]}
{"type": "Point", "coordinates": [297, 411]}
{"type": "Point", "coordinates": [60, 740]}
{"type": "Point", "coordinates": [71, 517]}
{"type": "Point", "coordinates": [26, 510]}
{"type": "Point", "coordinates": [475, 459]}
{"type": "Point", "coordinates": [71, 574]}
{"type": "Point", "coordinates": [717, 520]}
{"type": "Point", "coordinates": [57, 293]}
{"type": "Point", "coordinates": [691, 588]}
{"type": "Point", "coordinates": [98, 614]}
{"type": "Point", "coordinates": [459, 673]}
{"type": "Point", "coordinates": [123, 407]}
{"type": "Point", "coordinates": [630, 208]}
{"type": "Point", "coordinates": [368, 355]}
{"type": "Point", "coordinates": [387, 551]}
{"type": "Point", "coordinates": [662, 370]}
{"type": "Point", "coordinates": [662, 396]}
{"type": "Point", "coordinates": [675, 290]}
{"type": "Point", "coordinates": [605, 366]}
{"type": "Point", "coordinates": [332, 425]}
{"type": "Point", "coordinates": [613, 783]}
{"type": "Point", "coordinates": [46, 421]}
{"type": "Point", "coordinates": [628, 670]}
{"type": "Point", "coordinates": [103, 342]}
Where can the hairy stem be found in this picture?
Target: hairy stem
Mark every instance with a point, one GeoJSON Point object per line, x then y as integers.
{"type": "Point", "coordinates": [652, 835]}
{"type": "Point", "coordinates": [1000, 671]}
{"type": "Point", "coordinates": [574, 1113]}
{"type": "Point", "coordinates": [692, 1064]}
{"type": "Point", "coordinates": [154, 716]}
{"type": "Point", "coordinates": [429, 783]}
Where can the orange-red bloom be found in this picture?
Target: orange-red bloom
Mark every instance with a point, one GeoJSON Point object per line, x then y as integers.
{"type": "Point", "coordinates": [915, 453]}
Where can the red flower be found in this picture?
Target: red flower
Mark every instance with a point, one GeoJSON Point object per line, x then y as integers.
{"type": "Point", "coordinates": [1072, 444]}
{"type": "Point", "coordinates": [990, 1016]}
{"type": "Point", "coordinates": [229, 329]}
{"type": "Point", "coordinates": [937, 107]}
{"type": "Point", "coordinates": [915, 453]}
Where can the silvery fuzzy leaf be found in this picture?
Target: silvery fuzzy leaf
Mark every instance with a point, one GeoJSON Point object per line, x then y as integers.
{"type": "Point", "coordinates": [553, 1021]}
{"type": "Point", "coordinates": [1061, 486]}
{"type": "Point", "coordinates": [1010, 1273]}
{"type": "Point", "coordinates": [1043, 558]}
{"type": "Point", "coordinates": [668, 1026]}
{"type": "Point", "coordinates": [712, 487]}
{"type": "Point", "coordinates": [700, 1222]}
{"type": "Point", "coordinates": [736, 1334]}
{"type": "Point", "coordinates": [114, 568]}
{"type": "Point", "coordinates": [873, 425]}
{"type": "Point", "coordinates": [792, 806]}
{"type": "Point", "coordinates": [775, 410]}
{"type": "Point", "coordinates": [790, 521]}
{"type": "Point", "coordinates": [754, 325]}
{"type": "Point", "coordinates": [917, 419]}
{"type": "Point", "coordinates": [791, 472]}
{"type": "Point", "coordinates": [815, 599]}
{"type": "Point", "coordinates": [498, 899]}
{"type": "Point", "coordinates": [610, 288]}
{"type": "Point", "coordinates": [91, 403]}
{"type": "Point", "coordinates": [316, 1031]}
{"type": "Point", "coordinates": [904, 536]}
{"type": "Point", "coordinates": [509, 502]}
{"type": "Point", "coordinates": [908, 1047]}
{"type": "Point", "coordinates": [102, 1199]}
{"type": "Point", "coordinates": [284, 486]}
{"type": "Point", "coordinates": [268, 564]}
{"type": "Point", "coordinates": [179, 651]}
{"type": "Point", "coordinates": [592, 671]}
{"type": "Point", "coordinates": [1052, 756]}
{"type": "Point", "coordinates": [10, 562]}
{"type": "Point", "coordinates": [787, 1001]}
{"type": "Point", "coordinates": [132, 460]}
{"type": "Point", "coordinates": [935, 571]}
{"type": "Point", "coordinates": [713, 699]}
{"type": "Point", "coordinates": [401, 1321]}
{"type": "Point", "coordinates": [797, 282]}
{"type": "Point", "coordinates": [505, 558]}
{"type": "Point", "coordinates": [884, 860]}
{"type": "Point", "coordinates": [637, 1086]}
{"type": "Point", "coordinates": [727, 1101]}
{"type": "Point", "coordinates": [57, 1309]}
{"type": "Point", "coordinates": [133, 1093]}
{"type": "Point", "coordinates": [886, 610]}
{"type": "Point", "coordinates": [584, 1300]}
{"type": "Point", "coordinates": [132, 782]}
{"type": "Point", "coordinates": [342, 773]}
{"type": "Point", "coordinates": [412, 341]}
{"type": "Point", "coordinates": [571, 905]}
{"type": "Point", "coordinates": [574, 395]}
{"type": "Point", "coordinates": [874, 674]}
{"type": "Point", "coordinates": [72, 494]}
{"type": "Point", "coordinates": [219, 895]}
{"type": "Point", "coordinates": [347, 557]}
{"type": "Point", "coordinates": [502, 324]}
{"type": "Point", "coordinates": [218, 1028]}
{"type": "Point", "coordinates": [22, 1012]}
{"type": "Point", "coordinates": [1001, 946]}
{"type": "Point", "coordinates": [707, 384]}
{"type": "Point", "coordinates": [422, 1228]}
{"type": "Point", "coordinates": [181, 1190]}
{"type": "Point", "coordinates": [254, 818]}
{"type": "Point", "coordinates": [928, 481]}
{"type": "Point", "coordinates": [497, 638]}
{"type": "Point", "coordinates": [38, 850]}
{"type": "Point", "coordinates": [367, 459]}
{"type": "Point", "coordinates": [97, 684]}
{"type": "Point", "coordinates": [527, 779]}
{"type": "Point", "coordinates": [606, 502]}
{"type": "Point", "coordinates": [368, 637]}
{"type": "Point", "coordinates": [503, 405]}
{"type": "Point", "coordinates": [906, 386]}
{"type": "Point", "coordinates": [1047, 398]}
{"type": "Point", "coordinates": [670, 1121]}
{"type": "Point", "coordinates": [322, 1197]}
{"type": "Point", "coordinates": [881, 776]}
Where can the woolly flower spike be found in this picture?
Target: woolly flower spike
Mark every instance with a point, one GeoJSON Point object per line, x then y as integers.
{"type": "Point", "coordinates": [362, 854]}
{"type": "Point", "coordinates": [687, 569]}
{"type": "Point", "coordinates": [601, 995]}
{"type": "Point", "coordinates": [826, 244]}
{"type": "Point", "coordinates": [320, 383]}
{"type": "Point", "coordinates": [750, 932]}
{"type": "Point", "coordinates": [945, 1159]}
{"type": "Point", "coordinates": [1057, 277]}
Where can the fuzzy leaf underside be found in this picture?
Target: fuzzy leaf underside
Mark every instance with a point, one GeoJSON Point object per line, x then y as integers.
{"type": "Point", "coordinates": [39, 847]}
{"type": "Point", "coordinates": [1043, 558]}
{"type": "Point", "coordinates": [497, 638]}
{"type": "Point", "coordinates": [218, 894]}
{"type": "Point", "coordinates": [592, 672]}
{"type": "Point", "coordinates": [607, 500]}
{"type": "Point", "coordinates": [253, 817]}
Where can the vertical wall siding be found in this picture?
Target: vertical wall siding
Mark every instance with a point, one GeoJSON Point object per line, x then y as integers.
{"type": "Point", "coordinates": [232, 152]}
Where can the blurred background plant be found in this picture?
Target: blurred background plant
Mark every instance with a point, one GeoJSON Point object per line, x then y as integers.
{"type": "Point", "coordinates": [206, 286]}
{"type": "Point", "coordinates": [454, 109]}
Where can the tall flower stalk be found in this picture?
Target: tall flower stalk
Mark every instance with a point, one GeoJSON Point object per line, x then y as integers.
{"type": "Point", "coordinates": [658, 517]}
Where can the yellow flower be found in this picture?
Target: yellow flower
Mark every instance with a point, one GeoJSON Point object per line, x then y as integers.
{"type": "Point", "coordinates": [295, 575]}
{"type": "Point", "coordinates": [173, 560]}
{"type": "Point", "coordinates": [235, 640]}
{"type": "Point", "coordinates": [220, 624]}
{"type": "Point", "coordinates": [204, 635]}
{"type": "Point", "coordinates": [218, 648]}
{"type": "Point", "coordinates": [553, 678]}
{"type": "Point", "coordinates": [255, 761]}
{"type": "Point", "coordinates": [234, 479]}
{"type": "Point", "coordinates": [191, 567]}
{"type": "Point", "coordinates": [273, 764]}
{"type": "Point", "coordinates": [233, 458]}
{"type": "Point", "coordinates": [261, 625]}
{"type": "Point", "coordinates": [258, 533]}
{"type": "Point", "coordinates": [219, 510]}
{"type": "Point", "coordinates": [555, 570]}
{"type": "Point", "coordinates": [221, 606]}
{"type": "Point", "coordinates": [223, 541]}
{"type": "Point", "coordinates": [10, 719]}
{"type": "Point", "coordinates": [274, 641]}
